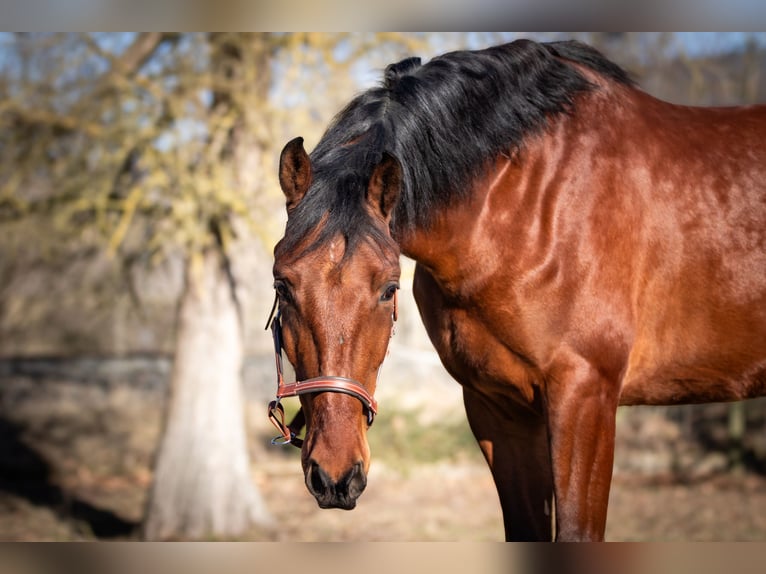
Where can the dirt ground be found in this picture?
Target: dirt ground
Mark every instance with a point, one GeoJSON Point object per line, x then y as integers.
{"type": "Point", "coordinates": [432, 503]}
{"type": "Point", "coordinates": [68, 475]}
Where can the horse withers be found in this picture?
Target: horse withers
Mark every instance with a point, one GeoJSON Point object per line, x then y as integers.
{"type": "Point", "coordinates": [579, 245]}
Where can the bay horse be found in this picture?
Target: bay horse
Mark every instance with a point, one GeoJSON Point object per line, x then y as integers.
{"type": "Point", "coordinates": [579, 245]}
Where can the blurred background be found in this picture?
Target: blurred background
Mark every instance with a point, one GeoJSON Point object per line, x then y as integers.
{"type": "Point", "coordinates": [139, 208]}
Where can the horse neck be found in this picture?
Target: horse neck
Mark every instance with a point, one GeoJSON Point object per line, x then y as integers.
{"type": "Point", "coordinates": [509, 208]}
{"type": "Point", "coordinates": [456, 235]}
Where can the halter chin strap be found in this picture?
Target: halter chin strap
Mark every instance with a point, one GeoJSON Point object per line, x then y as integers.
{"type": "Point", "coordinates": [276, 413]}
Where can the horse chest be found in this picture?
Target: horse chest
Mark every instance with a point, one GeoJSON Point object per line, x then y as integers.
{"type": "Point", "coordinates": [469, 347]}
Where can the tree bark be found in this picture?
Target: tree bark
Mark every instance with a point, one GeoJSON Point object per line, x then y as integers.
{"type": "Point", "coordinates": [202, 483]}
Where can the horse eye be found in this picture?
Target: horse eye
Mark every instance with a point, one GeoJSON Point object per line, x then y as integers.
{"type": "Point", "coordinates": [389, 293]}
{"type": "Point", "coordinates": [282, 291]}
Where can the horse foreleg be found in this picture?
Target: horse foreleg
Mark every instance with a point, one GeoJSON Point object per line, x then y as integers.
{"type": "Point", "coordinates": [581, 407]}
{"type": "Point", "coordinates": [515, 444]}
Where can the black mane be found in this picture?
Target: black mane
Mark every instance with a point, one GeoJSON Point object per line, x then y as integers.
{"type": "Point", "coordinates": [444, 121]}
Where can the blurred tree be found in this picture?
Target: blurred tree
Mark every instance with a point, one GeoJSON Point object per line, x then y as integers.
{"type": "Point", "coordinates": [202, 475]}
{"type": "Point", "coordinates": [154, 146]}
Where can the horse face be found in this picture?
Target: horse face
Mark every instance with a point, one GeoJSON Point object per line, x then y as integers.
{"type": "Point", "coordinates": [337, 305]}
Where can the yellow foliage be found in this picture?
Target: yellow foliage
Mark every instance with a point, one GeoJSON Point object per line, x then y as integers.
{"type": "Point", "coordinates": [168, 133]}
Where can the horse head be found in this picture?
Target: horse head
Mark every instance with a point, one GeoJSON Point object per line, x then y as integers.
{"type": "Point", "coordinates": [337, 294]}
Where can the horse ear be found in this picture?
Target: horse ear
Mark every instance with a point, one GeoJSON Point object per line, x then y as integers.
{"type": "Point", "coordinates": [385, 186]}
{"type": "Point", "coordinates": [294, 172]}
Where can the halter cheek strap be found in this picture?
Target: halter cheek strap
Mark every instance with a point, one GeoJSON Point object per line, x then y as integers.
{"type": "Point", "coordinates": [276, 413]}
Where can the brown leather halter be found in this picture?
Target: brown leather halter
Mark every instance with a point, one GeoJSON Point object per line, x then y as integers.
{"type": "Point", "coordinates": [326, 383]}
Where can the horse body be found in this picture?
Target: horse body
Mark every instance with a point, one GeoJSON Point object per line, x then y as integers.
{"type": "Point", "coordinates": [616, 255]}
{"type": "Point", "coordinates": [605, 265]}
{"type": "Point", "coordinates": [645, 254]}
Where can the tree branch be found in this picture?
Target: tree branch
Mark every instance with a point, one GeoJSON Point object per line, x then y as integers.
{"type": "Point", "coordinates": [139, 52]}
{"type": "Point", "coordinates": [123, 67]}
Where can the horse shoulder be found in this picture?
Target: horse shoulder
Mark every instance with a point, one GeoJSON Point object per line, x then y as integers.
{"type": "Point", "coordinates": [470, 348]}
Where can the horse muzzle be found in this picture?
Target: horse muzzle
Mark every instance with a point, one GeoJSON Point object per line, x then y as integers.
{"type": "Point", "coordinates": [335, 494]}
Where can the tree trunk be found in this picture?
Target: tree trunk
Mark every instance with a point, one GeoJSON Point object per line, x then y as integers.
{"type": "Point", "coordinates": [202, 484]}
{"type": "Point", "coordinates": [737, 424]}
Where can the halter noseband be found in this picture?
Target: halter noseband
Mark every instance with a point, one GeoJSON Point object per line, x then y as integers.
{"type": "Point", "coordinates": [327, 383]}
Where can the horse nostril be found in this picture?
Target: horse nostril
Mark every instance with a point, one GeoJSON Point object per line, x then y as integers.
{"type": "Point", "coordinates": [355, 481]}
{"type": "Point", "coordinates": [317, 480]}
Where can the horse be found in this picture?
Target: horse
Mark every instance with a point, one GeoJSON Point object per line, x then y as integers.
{"type": "Point", "coordinates": [579, 245]}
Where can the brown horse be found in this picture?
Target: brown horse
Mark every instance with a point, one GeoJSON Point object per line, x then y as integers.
{"type": "Point", "coordinates": [579, 244]}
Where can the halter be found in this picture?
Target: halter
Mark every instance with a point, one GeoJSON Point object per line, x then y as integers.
{"type": "Point", "coordinates": [327, 383]}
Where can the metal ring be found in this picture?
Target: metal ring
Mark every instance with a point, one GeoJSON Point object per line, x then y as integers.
{"type": "Point", "coordinates": [280, 440]}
